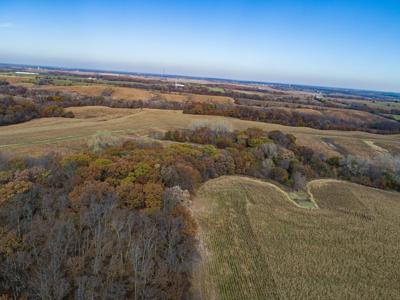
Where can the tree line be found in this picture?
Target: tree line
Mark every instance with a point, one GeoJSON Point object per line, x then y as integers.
{"type": "Point", "coordinates": [14, 111]}
{"type": "Point", "coordinates": [324, 121]}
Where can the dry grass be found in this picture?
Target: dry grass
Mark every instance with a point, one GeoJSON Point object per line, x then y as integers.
{"type": "Point", "coordinates": [42, 135]}
{"type": "Point", "coordinates": [198, 98]}
{"type": "Point", "coordinates": [132, 94]}
{"type": "Point", "coordinates": [362, 147]}
{"type": "Point", "coordinates": [96, 90]}
{"type": "Point", "coordinates": [100, 113]}
{"type": "Point", "coordinates": [261, 246]}
{"type": "Point", "coordinates": [347, 115]}
{"type": "Point", "coordinates": [18, 80]}
{"type": "Point", "coordinates": [354, 115]}
{"type": "Point", "coordinates": [376, 147]}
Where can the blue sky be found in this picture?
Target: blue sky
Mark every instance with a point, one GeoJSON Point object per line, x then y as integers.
{"type": "Point", "coordinates": [333, 43]}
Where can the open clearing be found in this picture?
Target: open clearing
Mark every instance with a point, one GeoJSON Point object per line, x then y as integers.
{"type": "Point", "coordinates": [45, 134]}
{"type": "Point", "coordinates": [258, 245]}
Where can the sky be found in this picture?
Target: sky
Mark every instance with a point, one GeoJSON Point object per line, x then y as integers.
{"type": "Point", "coordinates": [352, 44]}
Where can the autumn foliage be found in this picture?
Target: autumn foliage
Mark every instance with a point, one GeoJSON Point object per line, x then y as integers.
{"type": "Point", "coordinates": [114, 223]}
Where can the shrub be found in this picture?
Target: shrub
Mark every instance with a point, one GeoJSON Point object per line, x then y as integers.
{"type": "Point", "coordinates": [102, 140]}
{"type": "Point", "coordinates": [173, 197]}
{"type": "Point", "coordinates": [142, 173]}
{"type": "Point", "coordinates": [219, 127]}
{"type": "Point", "coordinates": [5, 176]}
{"type": "Point", "coordinates": [107, 92]}
{"type": "Point", "coordinates": [280, 175]}
{"type": "Point", "coordinates": [257, 141]}
{"type": "Point", "coordinates": [270, 150]}
{"type": "Point", "coordinates": [299, 181]}
{"type": "Point", "coordinates": [198, 124]}
{"type": "Point", "coordinates": [153, 195]}
{"type": "Point", "coordinates": [334, 161]}
{"type": "Point", "coordinates": [52, 111]}
{"type": "Point", "coordinates": [284, 140]}
{"type": "Point", "coordinates": [131, 195]}
{"type": "Point", "coordinates": [14, 188]}
{"type": "Point", "coordinates": [76, 161]}
{"type": "Point", "coordinates": [190, 223]}
{"type": "Point", "coordinates": [181, 174]}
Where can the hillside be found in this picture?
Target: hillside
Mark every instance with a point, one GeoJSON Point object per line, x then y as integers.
{"type": "Point", "coordinates": [38, 136]}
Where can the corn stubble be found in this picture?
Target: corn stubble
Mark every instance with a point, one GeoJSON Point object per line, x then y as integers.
{"type": "Point", "coordinates": [261, 246]}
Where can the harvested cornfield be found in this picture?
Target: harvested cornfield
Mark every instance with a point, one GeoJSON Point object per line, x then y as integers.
{"type": "Point", "coordinates": [259, 245]}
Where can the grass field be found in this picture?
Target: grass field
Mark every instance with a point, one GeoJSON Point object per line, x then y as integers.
{"type": "Point", "coordinates": [41, 135]}
{"type": "Point", "coordinates": [378, 104]}
{"type": "Point", "coordinates": [137, 94]}
{"type": "Point", "coordinates": [258, 245]}
{"type": "Point", "coordinates": [396, 117]}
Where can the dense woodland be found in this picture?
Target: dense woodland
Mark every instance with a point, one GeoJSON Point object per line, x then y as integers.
{"type": "Point", "coordinates": [89, 226]}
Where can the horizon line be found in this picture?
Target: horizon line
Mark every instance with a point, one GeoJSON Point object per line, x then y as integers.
{"type": "Point", "coordinates": [203, 77]}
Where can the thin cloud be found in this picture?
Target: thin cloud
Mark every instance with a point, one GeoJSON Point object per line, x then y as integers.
{"type": "Point", "coordinates": [6, 25]}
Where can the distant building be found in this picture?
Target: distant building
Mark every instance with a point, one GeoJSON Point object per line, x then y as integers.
{"type": "Point", "coordinates": [26, 73]}
{"type": "Point", "coordinates": [319, 96]}
{"type": "Point", "coordinates": [179, 85]}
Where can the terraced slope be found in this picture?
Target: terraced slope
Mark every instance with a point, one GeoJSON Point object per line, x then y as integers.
{"type": "Point", "coordinates": [259, 245]}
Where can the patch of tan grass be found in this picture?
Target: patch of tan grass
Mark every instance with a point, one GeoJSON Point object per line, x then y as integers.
{"type": "Point", "coordinates": [100, 112]}
{"type": "Point", "coordinates": [376, 147]}
{"type": "Point", "coordinates": [87, 90]}
{"type": "Point", "coordinates": [18, 80]}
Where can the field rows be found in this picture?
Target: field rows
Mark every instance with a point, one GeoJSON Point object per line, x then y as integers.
{"type": "Point", "coordinates": [258, 245]}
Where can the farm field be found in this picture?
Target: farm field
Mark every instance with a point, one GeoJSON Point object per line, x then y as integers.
{"type": "Point", "coordinates": [125, 93]}
{"type": "Point", "coordinates": [259, 245]}
{"type": "Point", "coordinates": [40, 135]}
{"type": "Point", "coordinates": [138, 94]}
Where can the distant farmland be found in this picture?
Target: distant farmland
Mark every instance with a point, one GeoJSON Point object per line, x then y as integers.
{"type": "Point", "coordinates": [258, 245]}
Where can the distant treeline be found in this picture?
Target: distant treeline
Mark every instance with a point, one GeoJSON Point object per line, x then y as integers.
{"type": "Point", "coordinates": [12, 112]}
{"type": "Point", "coordinates": [238, 92]}
{"type": "Point", "coordinates": [292, 117]}
{"type": "Point", "coordinates": [42, 103]}
{"type": "Point", "coordinates": [19, 104]}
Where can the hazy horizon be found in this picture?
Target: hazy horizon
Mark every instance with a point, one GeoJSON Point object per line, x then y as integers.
{"type": "Point", "coordinates": [133, 72]}
{"type": "Point", "coordinates": [348, 44]}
